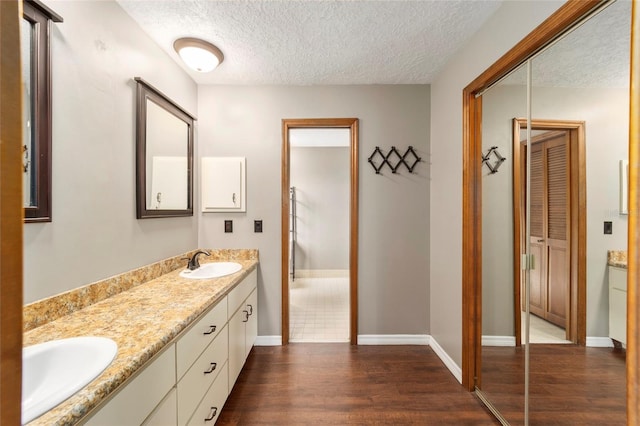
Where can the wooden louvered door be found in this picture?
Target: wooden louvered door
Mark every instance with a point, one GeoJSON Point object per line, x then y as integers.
{"type": "Point", "coordinates": [549, 210]}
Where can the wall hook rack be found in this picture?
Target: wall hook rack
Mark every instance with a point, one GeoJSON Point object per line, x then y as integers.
{"type": "Point", "coordinates": [499, 159]}
{"type": "Point", "coordinates": [394, 159]}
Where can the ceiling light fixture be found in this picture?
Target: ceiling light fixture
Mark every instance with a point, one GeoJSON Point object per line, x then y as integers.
{"type": "Point", "coordinates": [199, 55]}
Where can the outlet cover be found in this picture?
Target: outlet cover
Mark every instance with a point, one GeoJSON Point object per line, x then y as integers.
{"type": "Point", "coordinates": [257, 226]}
{"type": "Point", "coordinates": [608, 227]}
{"type": "Point", "coordinates": [228, 226]}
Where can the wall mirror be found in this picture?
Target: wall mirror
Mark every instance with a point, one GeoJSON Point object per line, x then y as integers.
{"type": "Point", "coordinates": [36, 110]}
{"type": "Point", "coordinates": [164, 155]}
{"type": "Point", "coordinates": [542, 350]}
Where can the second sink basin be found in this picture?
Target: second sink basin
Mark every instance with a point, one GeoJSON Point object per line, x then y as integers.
{"type": "Point", "coordinates": [55, 370]}
{"type": "Point", "coordinates": [212, 270]}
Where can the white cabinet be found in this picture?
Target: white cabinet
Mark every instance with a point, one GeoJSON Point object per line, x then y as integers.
{"type": "Point", "coordinates": [243, 324]}
{"type": "Point", "coordinates": [209, 409]}
{"type": "Point", "coordinates": [223, 184]}
{"type": "Point", "coordinates": [196, 339]}
{"type": "Point", "coordinates": [166, 413]}
{"type": "Point", "coordinates": [139, 398]}
{"type": "Point", "coordinates": [618, 304]}
{"type": "Point", "coordinates": [188, 383]}
{"type": "Point", "coordinates": [202, 374]}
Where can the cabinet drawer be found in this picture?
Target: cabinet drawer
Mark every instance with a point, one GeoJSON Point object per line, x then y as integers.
{"type": "Point", "coordinates": [166, 414]}
{"type": "Point", "coordinates": [241, 291]}
{"type": "Point", "coordinates": [618, 278]}
{"type": "Point", "coordinates": [197, 338]}
{"type": "Point", "coordinates": [139, 397]}
{"type": "Point", "coordinates": [209, 409]}
{"type": "Point", "coordinates": [195, 382]}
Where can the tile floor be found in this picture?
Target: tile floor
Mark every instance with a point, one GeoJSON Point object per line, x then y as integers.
{"type": "Point", "coordinates": [541, 331]}
{"type": "Point", "coordinates": [319, 309]}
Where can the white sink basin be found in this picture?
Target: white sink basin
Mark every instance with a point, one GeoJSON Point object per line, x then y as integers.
{"type": "Point", "coordinates": [212, 270]}
{"type": "Point", "coordinates": [55, 370]}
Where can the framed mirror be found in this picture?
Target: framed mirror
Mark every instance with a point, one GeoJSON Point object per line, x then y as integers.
{"type": "Point", "coordinates": [164, 155]}
{"type": "Point", "coordinates": [36, 110]}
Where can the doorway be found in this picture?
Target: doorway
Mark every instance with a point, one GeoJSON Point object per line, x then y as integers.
{"type": "Point", "coordinates": [558, 226]}
{"type": "Point", "coordinates": [292, 257]}
{"type": "Point", "coordinates": [319, 235]}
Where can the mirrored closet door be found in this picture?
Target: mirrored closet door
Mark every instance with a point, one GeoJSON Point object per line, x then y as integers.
{"type": "Point", "coordinates": [554, 144]}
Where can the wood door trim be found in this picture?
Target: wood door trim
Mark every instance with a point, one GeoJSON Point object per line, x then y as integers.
{"type": "Point", "coordinates": [352, 124]}
{"type": "Point", "coordinates": [567, 15]}
{"type": "Point", "coordinates": [633, 245]}
{"type": "Point", "coordinates": [11, 214]}
{"type": "Point", "coordinates": [577, 313]}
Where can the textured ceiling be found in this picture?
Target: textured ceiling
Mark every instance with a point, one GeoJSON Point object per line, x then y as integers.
{"type": "Point", "coordinates": [596, 54]}
{"type": "Point", "coordinates": [312, 42]}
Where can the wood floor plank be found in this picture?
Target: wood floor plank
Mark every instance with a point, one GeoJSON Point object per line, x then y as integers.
{"type": "Point", "coordinates": [304, 384]}
{"type": "Point", "coordinates": [569, 384]}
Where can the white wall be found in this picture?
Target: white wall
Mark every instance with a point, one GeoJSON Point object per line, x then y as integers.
{"type": "Point", "coordinates": [96, 52]}
{"type": "Point", "coordinates": [321, 178]}
{"type": "Point", "coordinates": [394, 209]}
{"type": "Point", "coordinates": [512, 22]}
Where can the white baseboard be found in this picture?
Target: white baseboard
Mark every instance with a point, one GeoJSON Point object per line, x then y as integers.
{"type": "Point", "coordinates": [268, 341]}
{"type": "Point", "coordinates": [388, 339]}
{"type": "Point", "coordinates": [498, 341]}
{"type": "Point", "coordinates": [394, 339]}
{"type": "Point", "coordinates": [455, 370]}
{"type": "Point", "coordinates": [599, 342]}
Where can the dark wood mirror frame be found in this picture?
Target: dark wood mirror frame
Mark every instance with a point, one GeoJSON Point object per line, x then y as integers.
{"type": "Point", "coordinates": [144, 93]}
{"type": "Point", "coordinates": [564, 18]}
{"type": "Point", "coordinates": [40, 17]}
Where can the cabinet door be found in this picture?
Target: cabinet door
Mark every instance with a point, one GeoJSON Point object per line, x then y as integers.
{"type": "Point", "coordinates": [237, 342]}
{"type": "Point", "coordinates": [223, 184]}
{"type": "Point", "coordinates": [252, 324]}
{"type": "Point", "coordinates": [139, 398]}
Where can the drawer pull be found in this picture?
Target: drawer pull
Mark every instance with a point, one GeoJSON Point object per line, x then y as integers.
{"type": "Point", "coordinates": [247, 317]}
{"type": "Point", "coordinates": [212, 328]}
{"type": "Point", "coordinates": [250, 309]}
{"type": "Point", "coordinates": [211, 368]}
{"type": "Point", "coordinates": [212, 414]}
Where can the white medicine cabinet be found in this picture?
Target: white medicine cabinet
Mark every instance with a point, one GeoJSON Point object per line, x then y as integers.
{"type": "Point", "coordinates": [223, 184]}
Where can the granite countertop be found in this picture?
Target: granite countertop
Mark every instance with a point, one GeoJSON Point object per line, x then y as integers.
{"type": "Point", "coordinates": [617, 258]}
{"type": "Point", "coordinates": [142, 321]}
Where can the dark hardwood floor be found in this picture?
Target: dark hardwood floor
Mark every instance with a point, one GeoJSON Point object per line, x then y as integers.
{"type": "Point", "coordinates": [569, 384]}
{"type": "Point", "coordinates": [306, 384]}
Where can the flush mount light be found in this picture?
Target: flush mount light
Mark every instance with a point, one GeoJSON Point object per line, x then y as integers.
{"type": "Point", "coordinates": [198, 54]}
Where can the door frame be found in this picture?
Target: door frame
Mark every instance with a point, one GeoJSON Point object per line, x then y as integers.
{"type": "Point", "coordinates": [11, 214]}
{"type": "Point", "coordinates": [297, 123]}
{"type": "Point", "coordinates": [577, 311]}
{"type": "Point", "coordinates": [553, 27]}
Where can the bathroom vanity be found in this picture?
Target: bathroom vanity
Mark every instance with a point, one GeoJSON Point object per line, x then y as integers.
{"type": "Point", "coordinates": [181, 346]}
{"type": "Point", "coordinates": [617, 265]}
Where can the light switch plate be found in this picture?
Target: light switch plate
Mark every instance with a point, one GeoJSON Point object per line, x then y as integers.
{"type": "Point", "coordinates": [228, 226]}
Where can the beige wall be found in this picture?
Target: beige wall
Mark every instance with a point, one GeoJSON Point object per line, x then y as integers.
{"type": "Point", "coordinates": [321, 178]}
{"type": "Point", "coordinates": [96, 52]}
{"type": "Point", "coordinates": [394, 209]}
{"type": "Point", "coordinates": [504, 29]}
{"type": "Point", "coordinates": [606, 128]}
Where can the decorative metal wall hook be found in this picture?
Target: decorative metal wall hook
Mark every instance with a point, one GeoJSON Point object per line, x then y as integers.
{"type": "Point", "coordinates": [394, 159]}
{"type": "Point", "coordinates": [499, 159]}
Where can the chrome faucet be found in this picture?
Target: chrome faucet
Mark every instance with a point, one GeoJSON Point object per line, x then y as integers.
{"type": "Point", "coordinates": [193, 262]}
